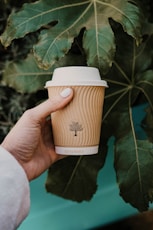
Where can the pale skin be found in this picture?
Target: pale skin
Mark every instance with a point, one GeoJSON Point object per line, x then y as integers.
{"type": "Point", "coordinates": [30, 140]}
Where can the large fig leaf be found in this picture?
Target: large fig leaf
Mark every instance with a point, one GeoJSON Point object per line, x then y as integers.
{"type": "Point", "coordinates": [67, 18]}
{"type": "Point", "coordinates": [132, 84]}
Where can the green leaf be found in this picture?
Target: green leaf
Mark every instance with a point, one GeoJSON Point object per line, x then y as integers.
{"type": "Point", "coordinates": [25, 76]}
{"type": "Point", "coordinates": [130, 79]}
{"type": "Point", "coordinates": [76, 177]}
{"type": "Point", "coordinates": [91, 15]}
{"type": "Point", "coordinates": [134, 164]}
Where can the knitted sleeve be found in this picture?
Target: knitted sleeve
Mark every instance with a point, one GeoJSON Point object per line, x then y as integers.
{"type": "Point", "coordinates": [14, 192]}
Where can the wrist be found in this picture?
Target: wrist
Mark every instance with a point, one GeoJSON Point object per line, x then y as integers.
{"type": "Point", "coordinates": [12, 152]}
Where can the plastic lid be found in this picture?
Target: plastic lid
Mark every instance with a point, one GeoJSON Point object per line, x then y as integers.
{"type": "Point", "coordinates": [76, 75]}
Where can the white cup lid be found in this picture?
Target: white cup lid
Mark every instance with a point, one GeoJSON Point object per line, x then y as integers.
{"type": "Point", "coordinates": [76, 75]}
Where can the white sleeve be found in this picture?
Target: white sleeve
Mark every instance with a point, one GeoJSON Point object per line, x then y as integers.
{"type": "Point", "coordinates": [14, 192]}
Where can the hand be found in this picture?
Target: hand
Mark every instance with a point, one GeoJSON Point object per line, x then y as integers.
{"type": "Point", "coordinates": [30, 140]}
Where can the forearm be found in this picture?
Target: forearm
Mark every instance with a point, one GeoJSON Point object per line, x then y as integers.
{"type": "Point", "coordinates": [14, 194]}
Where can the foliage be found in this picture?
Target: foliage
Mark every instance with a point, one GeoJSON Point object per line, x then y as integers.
{"type": "Point", "coordinates": [114, 36]}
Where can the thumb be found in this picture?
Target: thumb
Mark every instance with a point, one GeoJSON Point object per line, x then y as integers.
{"type": "Point", "coordinates": [44, 109]}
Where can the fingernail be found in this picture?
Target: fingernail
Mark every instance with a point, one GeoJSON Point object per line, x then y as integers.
{"type": "Point", "coordinates": [66, 92]}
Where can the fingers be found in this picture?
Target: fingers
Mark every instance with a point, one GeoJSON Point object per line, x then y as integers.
{"type": "Point", "coordinates": [51, 105]}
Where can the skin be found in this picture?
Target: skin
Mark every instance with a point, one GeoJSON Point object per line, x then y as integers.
{"type": "Point", "coordinates": [30, 140]}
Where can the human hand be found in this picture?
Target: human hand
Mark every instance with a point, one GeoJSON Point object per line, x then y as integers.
{"type": "Point", "coordinates": [30, 140]}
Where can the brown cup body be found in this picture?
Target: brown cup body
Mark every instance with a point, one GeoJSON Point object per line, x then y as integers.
{"type": "Point", "coordinates": [76, 128]}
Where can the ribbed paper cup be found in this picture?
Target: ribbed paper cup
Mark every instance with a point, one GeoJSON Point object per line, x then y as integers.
{"type": "Point", "coordinates": [76, 128]}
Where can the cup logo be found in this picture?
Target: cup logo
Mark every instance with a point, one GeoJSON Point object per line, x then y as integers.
{"type": "Point", "coordinates": [75, 127]}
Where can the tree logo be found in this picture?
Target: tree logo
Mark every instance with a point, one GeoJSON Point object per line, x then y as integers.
{"type": "Point", "coordinates": [75, 127]}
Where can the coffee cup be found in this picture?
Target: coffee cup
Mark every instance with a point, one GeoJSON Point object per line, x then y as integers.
{"type": "Point", "coordinates": [76, 127]}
